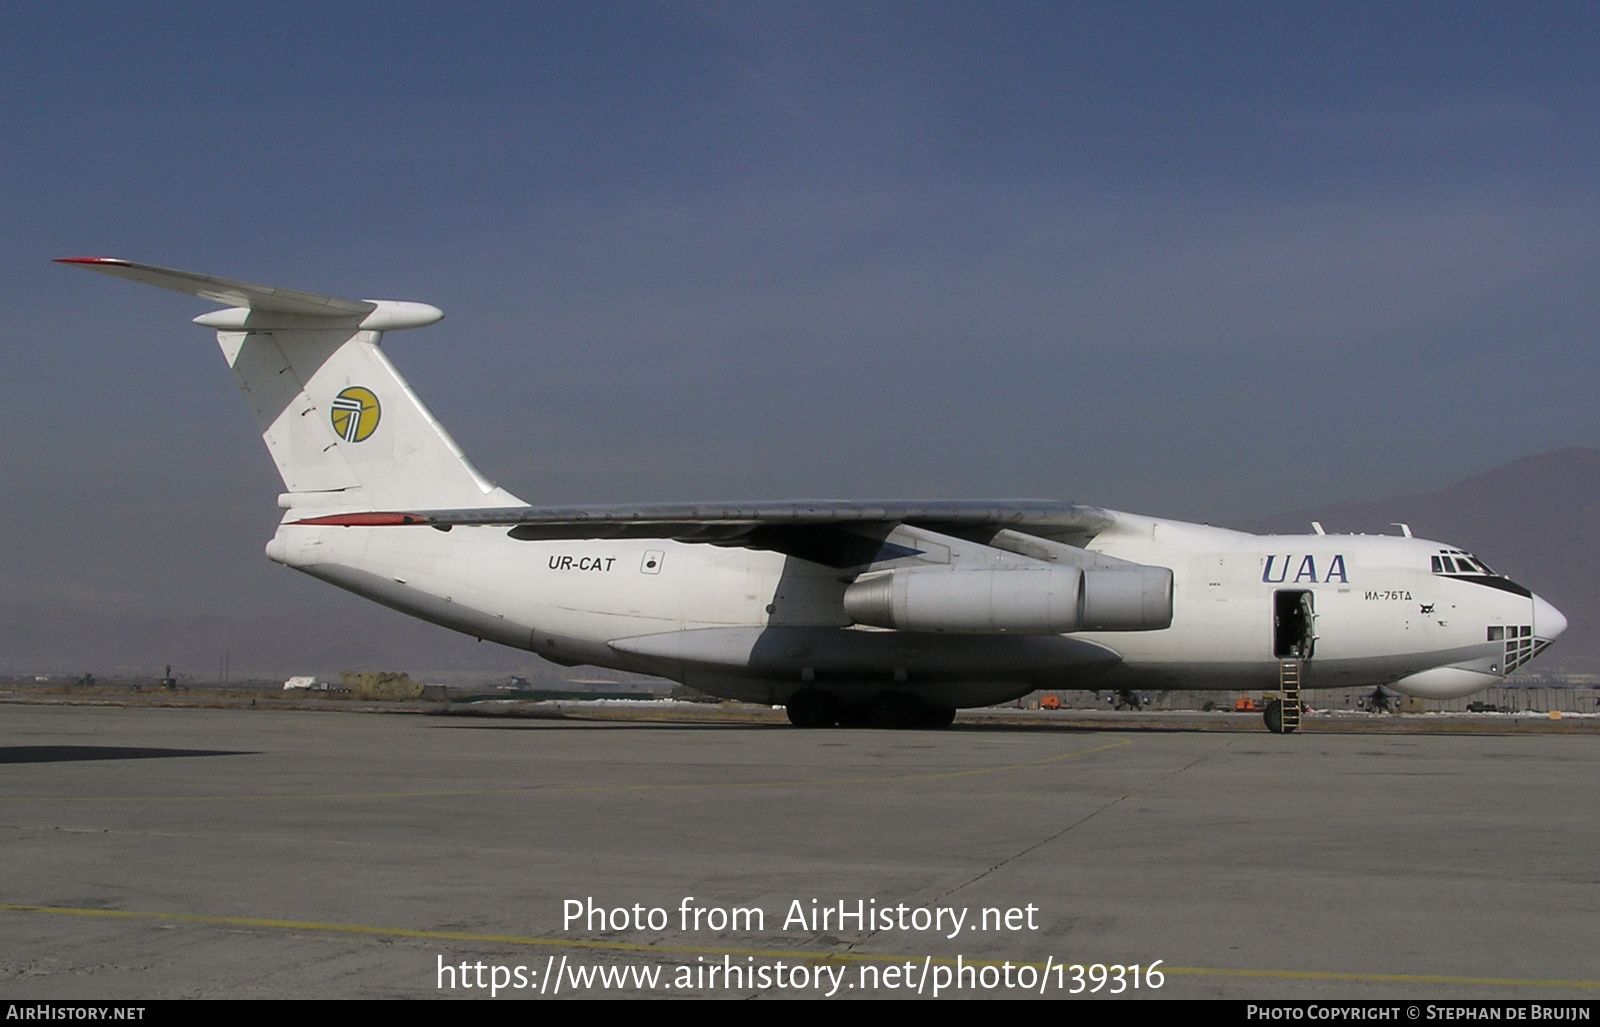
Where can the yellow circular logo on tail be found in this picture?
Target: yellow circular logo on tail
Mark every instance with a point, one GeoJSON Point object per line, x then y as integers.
{"type": "Point", "coordinates": [355, 414]}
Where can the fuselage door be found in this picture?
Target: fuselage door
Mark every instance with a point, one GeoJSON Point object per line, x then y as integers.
{"type": "Point", "coordinates": [1294, 619]}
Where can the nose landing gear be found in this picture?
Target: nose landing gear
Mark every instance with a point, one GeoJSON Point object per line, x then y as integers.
{"type": "Point", "coordinates": [1379, 701]}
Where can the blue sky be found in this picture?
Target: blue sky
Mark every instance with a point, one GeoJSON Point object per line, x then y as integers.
{"type": "Point", "coordinates": [1209, 261]}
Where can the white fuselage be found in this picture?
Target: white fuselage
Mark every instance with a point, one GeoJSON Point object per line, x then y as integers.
{"type": "Point", "coordinates": [758, 625]}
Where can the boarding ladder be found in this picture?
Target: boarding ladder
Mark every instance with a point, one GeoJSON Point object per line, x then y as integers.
{"type": "Point", "coordinates": [1289, 692]}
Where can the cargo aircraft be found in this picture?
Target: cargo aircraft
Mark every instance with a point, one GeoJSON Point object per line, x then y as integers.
{"type": "Point", "coordinates": [887, 613]}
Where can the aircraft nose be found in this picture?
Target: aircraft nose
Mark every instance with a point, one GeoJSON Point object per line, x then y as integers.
{"type": "Point", "coordinates": [1548, 622]}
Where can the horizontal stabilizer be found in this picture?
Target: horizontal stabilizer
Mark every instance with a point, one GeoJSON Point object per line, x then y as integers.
{"type": "Point", "coordinates": [225, 290]}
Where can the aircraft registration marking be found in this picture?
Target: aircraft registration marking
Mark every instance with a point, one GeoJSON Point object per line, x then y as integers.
{"type": "Point", "coordinates": [581, 563]}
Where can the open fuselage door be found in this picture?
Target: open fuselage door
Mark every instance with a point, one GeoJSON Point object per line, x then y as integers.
{"type": "Point", "coordinates": [1294, 621]}
{"type": "Point", "coordinates": [1294, 638]}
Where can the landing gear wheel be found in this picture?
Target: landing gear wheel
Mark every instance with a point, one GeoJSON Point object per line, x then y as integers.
{"type": "Point", "coordinates": [811, 708]}
{"type": "Point", "coordinates": [895, 710]}
{"type": "Point", "coordinates": [938, 717]}
{"type": "Point", "coordinates": [854, 716]}
{"type": "Point", "coordinates": [1273, 715]}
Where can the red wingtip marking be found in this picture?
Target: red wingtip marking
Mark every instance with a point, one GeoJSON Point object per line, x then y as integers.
{"type": "Point", "coordinates": [365, 520]}
{"type": "Point", "coordinates": [91, 260]}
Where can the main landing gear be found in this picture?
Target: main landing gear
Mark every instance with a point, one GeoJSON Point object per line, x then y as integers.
{"type": "Point", "coordinates": [812, 707]}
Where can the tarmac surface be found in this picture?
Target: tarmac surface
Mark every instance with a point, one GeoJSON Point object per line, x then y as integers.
{"type": "Point", "coordinates": [229, 852]}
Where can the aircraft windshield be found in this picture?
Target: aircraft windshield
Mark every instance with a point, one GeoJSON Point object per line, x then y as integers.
{"type": "Point", "coordinates": [1456, 561]}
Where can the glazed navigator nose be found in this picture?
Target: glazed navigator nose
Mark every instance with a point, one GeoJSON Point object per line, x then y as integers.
{"type": "Point", "coordinates": [1548, 622]}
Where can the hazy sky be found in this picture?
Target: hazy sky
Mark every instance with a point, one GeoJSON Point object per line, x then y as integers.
{"type": "Point", "coordinates": [1211, 261]}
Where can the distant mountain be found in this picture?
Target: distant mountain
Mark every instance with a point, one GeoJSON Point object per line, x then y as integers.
{"type": "Point", "coordinates": [1537, 520]}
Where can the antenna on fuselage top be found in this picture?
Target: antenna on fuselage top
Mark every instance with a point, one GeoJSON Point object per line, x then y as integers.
{"type": "Point", "coordinates": [1405, 529]}
{"type": "Point", "coordinates": [1316, 526]}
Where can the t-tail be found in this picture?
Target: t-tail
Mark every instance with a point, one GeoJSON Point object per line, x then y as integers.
{"type": "Point", "coordinates": [346, 431]}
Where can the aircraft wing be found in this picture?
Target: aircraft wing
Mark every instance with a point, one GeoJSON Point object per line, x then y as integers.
{"type": "Point", "coordinates": [838, 534]}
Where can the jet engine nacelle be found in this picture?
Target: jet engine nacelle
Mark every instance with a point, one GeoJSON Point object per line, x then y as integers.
{"type": "Point", "coordinates": [1049, 599]}
{"type": "Point", "coordinates": [1043, 600]}
{"type": "Point", "coordinates": [1133, 598]}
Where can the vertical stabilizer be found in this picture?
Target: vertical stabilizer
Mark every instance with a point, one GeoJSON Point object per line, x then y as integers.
{"type": "Point", "coordinates": [345, 430]}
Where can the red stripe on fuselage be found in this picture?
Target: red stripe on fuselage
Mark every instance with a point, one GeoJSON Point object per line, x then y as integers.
{"type": "Point", "coordinates": [365, 520]}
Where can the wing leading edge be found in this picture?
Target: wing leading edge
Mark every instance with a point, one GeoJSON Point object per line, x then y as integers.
{"type": "Point", "coordinates": [838, 534]}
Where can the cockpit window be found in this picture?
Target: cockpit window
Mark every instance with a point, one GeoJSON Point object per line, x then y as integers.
{"type": "Point", "coordinates": [1456, 561]}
